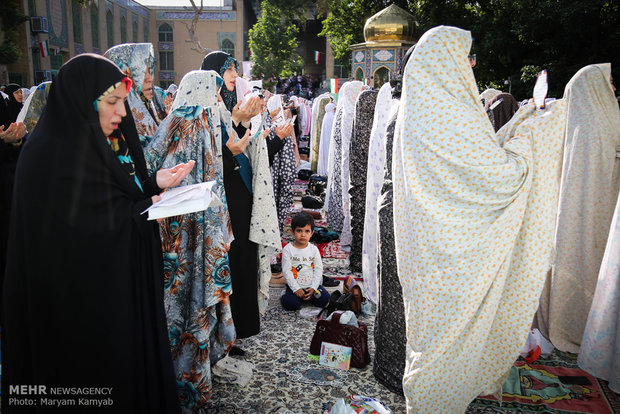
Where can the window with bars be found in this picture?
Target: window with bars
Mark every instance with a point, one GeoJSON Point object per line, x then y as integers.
{"type": "Point", "coordinates": [109, 23]}
{"type": "Point", "coordinates": [339, 69]}
{"type": "Point", "coordinates": [145, 28]}
{"type": "Point", "coordinates": [94, 25]}
{"type": "Point", "coordinates": [166, 60]}
{"type": "Point", "coordinates": [123, 29]}
{"type": "Point", "coordinates": [76, 11]}
{"type": "Point", "coordinates": [165, 33]}
{"type": "Point", "coordinates": [134, 31]}
{"type": "Point", "coordinates": [228, 46]}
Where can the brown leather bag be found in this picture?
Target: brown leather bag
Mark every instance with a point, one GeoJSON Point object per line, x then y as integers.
{"type": "Point", "coordinates": [336, 333]}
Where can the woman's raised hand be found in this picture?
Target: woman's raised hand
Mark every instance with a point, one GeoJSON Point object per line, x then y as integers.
{"type": "Point", "coordinates": [249, 110]}
{"type": "Point", "coordinates": [171, 177]}
{"type": "Point", "coordinates": [238, 147]}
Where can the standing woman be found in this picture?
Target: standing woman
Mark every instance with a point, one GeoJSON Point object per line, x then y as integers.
{"type": "Point", "coordinates": [195, 246]}
{"type": "Point", "coordinates": [246, 171]}
{"type": "Point", "coordinates": [83, 296]}
{"type": "Point", "coordinates": [589, 190]}
{"type": "Point", "coordinates": [137, 61]}
{"type": "Point", "coordinates": [326, 131]}
{"type": "Point", "coordinates": [283, 171]}
{"type": "Point", "coordinates": [11, 134]}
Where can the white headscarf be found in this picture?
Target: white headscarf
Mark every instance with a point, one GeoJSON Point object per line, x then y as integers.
{"type": "Point", "coordinates": [324, 144]}
{"type": "Point", "coordinates": [473, 226]}
{"type": "Point", "coordinates": [589, 190]}
{"type": "Point", "coordinates": [374, 182]}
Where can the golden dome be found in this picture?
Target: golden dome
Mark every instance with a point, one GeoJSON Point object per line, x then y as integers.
{"type": "Point", "coordinates": [391, 23]}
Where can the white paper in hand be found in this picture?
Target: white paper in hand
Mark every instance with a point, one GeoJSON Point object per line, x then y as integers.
{"type": "Point", "coordinates": [540, 90]}
{"type": "Point", "coordinates": [184, 200]}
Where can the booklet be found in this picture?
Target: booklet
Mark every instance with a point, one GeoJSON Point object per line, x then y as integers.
{"type": "Point", "coordinates": [184, 200]}
{"type": "Point", "coordinates": [334, 355]}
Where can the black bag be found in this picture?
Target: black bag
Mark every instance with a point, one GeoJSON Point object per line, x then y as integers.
{"type": "Point", "coordinates": [304, 174]}
{"type": "Point", "coordinates": [337, 301]}
{"type": "Point", "coordinates": [322, 235]}
{"type": "Point", "coordinates": [317, 185]}
{"type": "Point", "coordinates": [312, 202]}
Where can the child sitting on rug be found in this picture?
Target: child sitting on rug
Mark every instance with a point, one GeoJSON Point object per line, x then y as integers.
{"type": "Point", "coordinates": [302, 267]}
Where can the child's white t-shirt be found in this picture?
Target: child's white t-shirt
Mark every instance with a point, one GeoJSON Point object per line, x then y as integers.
{"type": "Point", "coordinates": [302, 268]}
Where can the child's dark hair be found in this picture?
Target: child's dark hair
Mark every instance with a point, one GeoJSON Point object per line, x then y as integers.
{"type": "Point", "coordinates": [301, 220]}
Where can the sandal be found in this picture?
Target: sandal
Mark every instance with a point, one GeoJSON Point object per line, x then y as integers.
{"type": "Point", "coordinates": [351, 285]}
{"type": "Point", "coordinates": [277, 281]}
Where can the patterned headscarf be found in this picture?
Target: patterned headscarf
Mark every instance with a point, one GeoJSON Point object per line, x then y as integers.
{"type": "Point", "coordinates": [220, 61]}
{"type": "Point", "coordinates": [133, 59]}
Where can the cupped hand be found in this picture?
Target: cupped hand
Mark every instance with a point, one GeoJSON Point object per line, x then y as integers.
{"type": "Point", "coordinates": [249, 110]}
{"type": "Point", "coordinates": [171, 177]}
{"type": "Point", "coordinates": [238, 147]}
{"type": "Point", "coordinates": [267, 132]}
{"type": "Point", "coordinates": [275, 112]}
{"type": "Point", "coordinates": [284, 131]}
{"type": "Point", "coordinates": [13, 133]}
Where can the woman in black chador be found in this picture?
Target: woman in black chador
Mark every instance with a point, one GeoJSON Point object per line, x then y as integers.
{"type": "Point", "coordinates": [243, 253]}
{"type": "Point", "coordinates": [83, 293]}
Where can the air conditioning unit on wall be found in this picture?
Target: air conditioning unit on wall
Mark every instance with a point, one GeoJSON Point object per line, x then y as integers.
{"type": "Point", "coordinates": [39, 24]}
{"type": "Point", "coordinates": [42, 76]}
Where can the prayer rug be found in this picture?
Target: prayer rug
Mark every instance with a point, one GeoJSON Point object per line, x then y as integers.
{"type": "Point", "coordinates": [300, 186]}
{"type": "Point", "coordinates": [553, 385]}
{"type": "Point", "coordinates": [331, 250]}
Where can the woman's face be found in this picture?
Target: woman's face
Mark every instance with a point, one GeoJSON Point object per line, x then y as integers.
{"type": "Point", "coordinates": [112, 109]}
{"type": "Point", "coordinates": [147, 85]}
{"type": "Point", "coordinates": [230, 77]}
{"type": "Point", "coordinates": [19, 95]}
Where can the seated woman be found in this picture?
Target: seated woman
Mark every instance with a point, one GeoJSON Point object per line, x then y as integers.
{"type": "Point", "coordinates": [83, 297]}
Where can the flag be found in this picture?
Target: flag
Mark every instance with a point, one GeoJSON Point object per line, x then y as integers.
{"type": "Point", "coordinates": [317, 57]}
{"type": "Point", "coordinates": [44, 49]}
{"type": "Point", "coordinates": [334, 86]}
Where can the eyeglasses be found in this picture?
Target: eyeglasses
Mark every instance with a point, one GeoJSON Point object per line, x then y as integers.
{"type": "Point", "coordinates": [472, 57]}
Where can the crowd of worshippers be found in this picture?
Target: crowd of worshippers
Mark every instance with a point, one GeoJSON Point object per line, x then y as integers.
{"type": "Point", "coordinates": [471, 217]}
{"type": "Point", "coordinates": [303, 86]}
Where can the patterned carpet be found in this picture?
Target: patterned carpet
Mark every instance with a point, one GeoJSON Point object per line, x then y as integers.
{"type": "Point", "coordinates": [286, 381]}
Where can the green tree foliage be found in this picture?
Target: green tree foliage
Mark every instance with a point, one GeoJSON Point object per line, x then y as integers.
{"type": "Point", "coordinates": [511, 38]}
{"type": "Point", "coordinates": [344, 22]}
{"type": "Point", "coordinates": [273, 42]}
{"type": "Point", "coordinates": [11, 17]}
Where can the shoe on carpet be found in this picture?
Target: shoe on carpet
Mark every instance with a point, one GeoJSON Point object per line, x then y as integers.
{"type": "Point", "coordinates": [330, 282]}
{"type": "Point", "coordinates": [277, 281]}
{"type": "Point", "coordinates": [236, 351]}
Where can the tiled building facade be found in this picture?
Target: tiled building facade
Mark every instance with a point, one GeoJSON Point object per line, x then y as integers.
{"type": "Point", "coordinates": [61, 29]}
